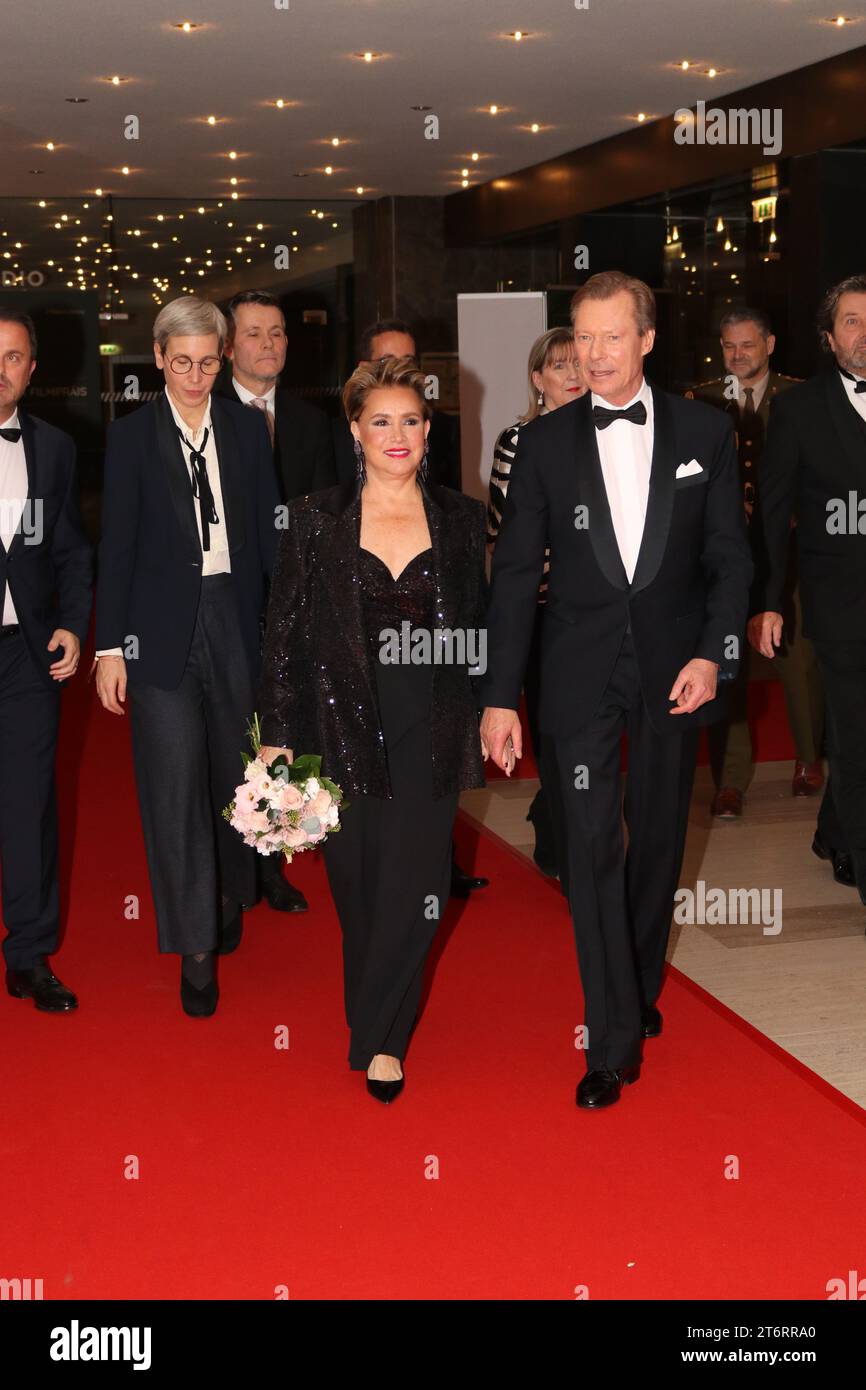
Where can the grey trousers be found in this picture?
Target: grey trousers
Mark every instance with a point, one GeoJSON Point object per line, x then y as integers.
{"type": "Point", "coordinates": [186, 746]}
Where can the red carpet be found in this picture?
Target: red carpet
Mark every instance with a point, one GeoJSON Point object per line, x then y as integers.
{"type": "Point", "coordinates": [261, 1168]}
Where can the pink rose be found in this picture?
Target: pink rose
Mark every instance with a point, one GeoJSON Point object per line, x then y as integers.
{"type": "Point", "coordinates": [288, 797]}
{"type": "Point", "coordinates": [319, 804]}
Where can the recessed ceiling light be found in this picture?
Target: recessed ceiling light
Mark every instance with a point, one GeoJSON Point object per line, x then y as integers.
{"type": "Point", "coordinates": [42, 202]}
{"type": "Point", "coordinates": [493, 110]}
{"type": "Point", "coordinates": [420, 108]}
{"type": "Point", "coordinates": [368, 55]}
{"type": "Point", "coordinates": [300, 174]}
{"type": "Point", "coordinates": [475, 154]}
{"type": "Point", "coordinates": [335, 224]}
{"type": "Point", "coordinates": [211, 120]}
{"type": "Point", "coordinates": [329, 169]}
{"type": "Point", "coordinates": [641, 116]}
{"type": "Point", "coordinates": [534, 127]}
{"type": "Point", "coordinates": [359, 190]}
{"type": "Point", "coordinates": [49, 145]}
{"type": "Point", "coordinates": [233, 154]}
{"type": "Point", "coordinates": [518, 34]}
{"type": "Point", "coordinates": [335, 140]}
{"type": "Point", "coordinates": [186, 25]}
{"type": "Point", "coordinates": [711, 72]}
{"type": "Point", "coordinates": [464, 172]}
{"type": "Point", "coordinates": [125, 169]}
{"type": "Point", "coordinates": [465, 183]}
{"type": "Point", "coordinates": [685, 65]}
{"type": "Point", "coordinates": [233, 181]}
{"type": "Point", "coordinates": [77, 101]}
{"type": "Point", "coordinates": [839, 20]}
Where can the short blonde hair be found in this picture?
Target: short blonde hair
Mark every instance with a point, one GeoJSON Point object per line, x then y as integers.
{"type": "Point", "coordinates": [388, 373]}
{"type": "Point", "coordinates": [189, 317]}
{"type": "Point", "coordinates": [607, 283]}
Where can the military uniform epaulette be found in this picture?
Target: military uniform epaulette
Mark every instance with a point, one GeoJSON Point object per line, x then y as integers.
{"type": "Point", "coordinates": [711, 388]}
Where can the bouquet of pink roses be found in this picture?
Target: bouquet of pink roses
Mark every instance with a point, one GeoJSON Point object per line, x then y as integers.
{"type": "Point", "coordinates": [283, 806]}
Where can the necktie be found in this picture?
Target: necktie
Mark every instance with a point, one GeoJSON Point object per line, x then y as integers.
{"type": "Point", "coordinates": [261, 403]}
{"type": "Point", "coordinates": [749, 402]}
{"type": "Point", "coordinates": [858, 389]}
{"type": "Point", "coordinates": [201, 488]}
{"type": "Point", "coordinates": [14, 435]}
{"type": "Point", "coordinates": [602, 417]}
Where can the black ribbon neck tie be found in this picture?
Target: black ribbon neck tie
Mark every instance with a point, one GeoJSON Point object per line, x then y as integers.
{"type": "Point", "coordinates": [201, 488]}
{"type": "Point", "coordinates": [602, 417]}
{"type": "Point", "coordinates": [12, 436]}
{"type": "Point", "coordinates": [859, 388]}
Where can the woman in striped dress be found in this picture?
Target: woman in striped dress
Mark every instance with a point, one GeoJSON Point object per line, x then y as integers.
{"type": "Point", "coordinates": [554, 380]}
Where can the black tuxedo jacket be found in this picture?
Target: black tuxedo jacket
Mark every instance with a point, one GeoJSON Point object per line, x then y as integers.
{"type": "Point", "coordinates": [150, 556]}
{"type": "Point", "coordinates": [815, 454]}
{"type": "Point", "coordinates": [689, 595]}
{"type": "Point", "coordinates": [50, 571]}
{"type": "Point", "coordinates": [444, 450]}
{"type": "Point", "coordinates": [303, 448]}
{"type": "Point", "coordinates": [318, 686]}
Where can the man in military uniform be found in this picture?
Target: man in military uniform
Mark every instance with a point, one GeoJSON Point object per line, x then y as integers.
{"type": "Point", "coordinates": [745, 392]}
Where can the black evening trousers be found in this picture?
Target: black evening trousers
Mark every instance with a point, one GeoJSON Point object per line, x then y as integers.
{"type": "Point", "coordinates": [29, 716]}
{"type": "Point", "coordinates": [389, 869]}
{"type": "Point", "coordinates": [622, 903]}
{"type": "Point", "coordinates": [186, 746]}
{"type": "Point", "coordinates": [842, 818]}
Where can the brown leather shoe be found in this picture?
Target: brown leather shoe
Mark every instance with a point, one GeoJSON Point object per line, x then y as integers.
{"type": "Point", "coordinates": [727, 804]}
{"type": "Point", "coordinates": [808, 778]}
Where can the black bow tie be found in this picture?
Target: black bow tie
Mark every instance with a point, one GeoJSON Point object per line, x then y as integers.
{"type": "Point", "coordinates": [602, 417]}
{"type": "Point", "coordinates": [12, 435]}
{"type": "Point", "coordinates": [859, 388]}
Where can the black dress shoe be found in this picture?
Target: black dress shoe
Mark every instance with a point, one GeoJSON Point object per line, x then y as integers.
{"type": "Point", "coordinates": [651, 1022]}
{"type": "Point", "coordinates": [843, 866]}
{"type": "Point", "coordinates": [463, 884]}
{"type": "Point", "coordinates": [42, 986]}
{"type": "Point", "coordinates": [199, 1000]}
{"type": "Point", "coordinates": [282, 895]}
{"type": "Point", "coordinates": [385, 1091]}
{"type": "Point", "coordinates": [602, 1087]}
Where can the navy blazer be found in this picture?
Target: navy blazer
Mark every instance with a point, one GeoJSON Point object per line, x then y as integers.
{"type": "Point", "coordinates": [50, 571]}
{"type": "Point", "coordinates": [150, 556]}
{"type": "Point", "coordinates": [689, 594]}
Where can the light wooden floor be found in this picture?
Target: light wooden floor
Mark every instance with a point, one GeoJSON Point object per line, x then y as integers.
{"type": "Point", "coordinates": [804, 987]}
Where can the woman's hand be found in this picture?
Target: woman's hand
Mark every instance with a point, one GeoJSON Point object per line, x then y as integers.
{"type": "Point", "coordinates": [270, 755]}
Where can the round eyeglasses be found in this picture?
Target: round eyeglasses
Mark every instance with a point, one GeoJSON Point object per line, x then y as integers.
{"type": "Point", "coordinates": [209, 365]}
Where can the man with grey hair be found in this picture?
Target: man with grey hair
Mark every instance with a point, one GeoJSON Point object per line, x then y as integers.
{"type": "Point", "coordinates": [188, 542]}
{"type": "Point", "coordinates": [746, 392]}
{"type": "Point", "coordinates": [814, 467]}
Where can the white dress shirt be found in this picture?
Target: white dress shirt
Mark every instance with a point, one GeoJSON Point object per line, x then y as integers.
{"type": "Point", "coordinates": [626, 452]}
{"type": "Point", "coordinates": [216, 559]}
{"type": "Point", "coordinates": [757, 388]}
{"type": "Point", "coordinates": [13, 496]}
{"type": "Point", "coordinates": [858, 402]}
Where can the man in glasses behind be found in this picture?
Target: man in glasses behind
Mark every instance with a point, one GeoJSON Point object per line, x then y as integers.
{"type": "Point", "coordinates": [188, 539]}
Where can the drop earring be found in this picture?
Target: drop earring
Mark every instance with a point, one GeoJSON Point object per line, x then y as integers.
{"type": "Point", "coordinates": [360, 463]}
{"type": "Point", "coordinates": [424, 467]}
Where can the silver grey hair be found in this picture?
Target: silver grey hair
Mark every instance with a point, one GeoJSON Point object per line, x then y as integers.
{"type": "Point", "coordinates": [189, 317]}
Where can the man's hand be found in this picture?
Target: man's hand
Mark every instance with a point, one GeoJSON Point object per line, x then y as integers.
{"type": "Point", "coordinates": [501, 737]}
{"type": "Point", "coordinates": [62, 670]}
{"type": "Point", "coordinates": [694, 686]}
{"type": "Point", "coordinates": [765, 632]}
{"type": "Point", "coordinates": [111, 683]}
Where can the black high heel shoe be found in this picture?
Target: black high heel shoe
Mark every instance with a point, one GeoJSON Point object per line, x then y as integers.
{"type": "Point", "coordinates": [199, 1001]}
{"type": "Point", "coordinates": [385, 1091]}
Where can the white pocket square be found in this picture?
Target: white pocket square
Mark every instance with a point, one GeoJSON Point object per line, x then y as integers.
{"type": "Point", "coordinates": [688, 470]}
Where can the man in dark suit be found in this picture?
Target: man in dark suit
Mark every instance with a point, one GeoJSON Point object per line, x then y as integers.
{"type": "Point", "coordinates": [303, 453]}
{"type": "Point", "coordinates": [393, 338]}
{"type": "Point", "coordinates": [746, 393]}
{"type": "Point", "coordinates": [45, 600]}
{"type": "Point", "coordinates": [814, 468]}
{"type": "Point", "coordinates": [636, 492]}
{"type": "Point", "coordinates": [188, 543]}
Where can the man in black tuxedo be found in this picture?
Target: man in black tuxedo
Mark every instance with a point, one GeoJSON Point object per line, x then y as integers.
{"type": "Point", "coordinates": [393, 338]}
{"type": "Point", "coordinates": [45, 599]}
{"type": "Point", "coordinates": [303, 453]}
{"type": "Point", "coordinates": [814, 467]}
{"type": "Point", "coordinates": [636, 491]}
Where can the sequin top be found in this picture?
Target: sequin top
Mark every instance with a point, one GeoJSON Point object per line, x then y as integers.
{"type": "Point", "coordinates": [390, 602]}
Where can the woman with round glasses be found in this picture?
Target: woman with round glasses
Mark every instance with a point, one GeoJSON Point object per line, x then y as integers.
{"type": "Point", "coordinates": [188, 538]}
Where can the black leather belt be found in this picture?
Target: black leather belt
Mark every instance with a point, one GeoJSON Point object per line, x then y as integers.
{"type": "Point", "coordinates": [9, 630]}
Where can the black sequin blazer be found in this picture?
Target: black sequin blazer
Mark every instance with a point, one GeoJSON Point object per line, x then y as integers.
{"type": "Point", "coordinates": [318, 688]}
